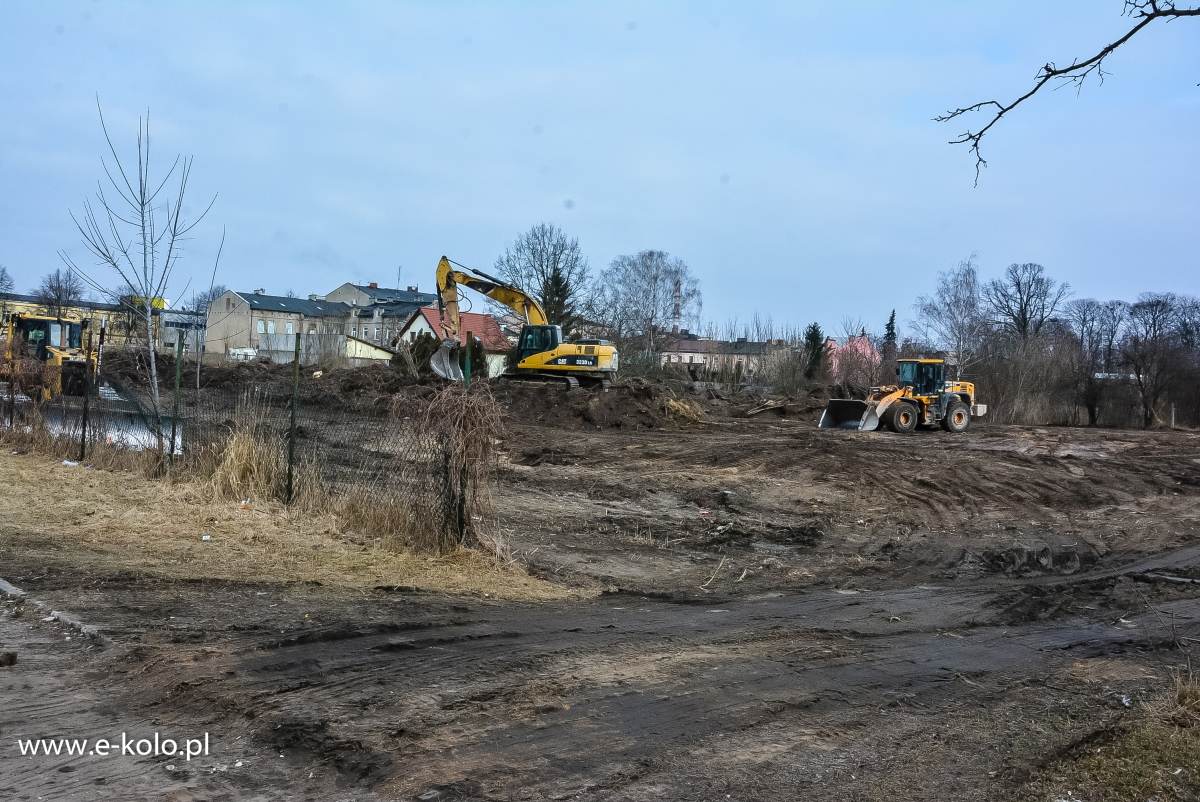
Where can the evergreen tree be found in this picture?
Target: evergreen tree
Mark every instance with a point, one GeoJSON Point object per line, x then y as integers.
{"type": "Point", "coordinates": [558, 298]}
{"type": "Point", "coordinates": [888, 351]}
{"type": "Point", "coordinates": [814, 351]}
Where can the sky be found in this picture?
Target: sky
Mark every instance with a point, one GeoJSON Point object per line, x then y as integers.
{"type": "Point", "coordinates": [786, 151]}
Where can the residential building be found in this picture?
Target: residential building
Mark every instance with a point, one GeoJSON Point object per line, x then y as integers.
{"type": "Point", "coordinates": [369, 294]}
{"type": "Point", "coordinates": [700, 356]}
{"type": "Point", "coordinates": [428, 320]}
{"type": "Point", "coordinates": [241, 320]}
{"type": "Point", "coordinates": [380, 323]}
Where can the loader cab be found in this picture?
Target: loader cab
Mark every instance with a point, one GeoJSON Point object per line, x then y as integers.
{"type": "Point", "coordinates": [537, 340]}
{"type": "Point", "coordinates": [924, 376]}
{"type": "Point", "coordinates": [40, 334]}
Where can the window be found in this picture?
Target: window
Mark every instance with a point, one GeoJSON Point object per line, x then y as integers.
{"type": "Point", "coordinates": [270, 327]}
{"type": "Point", "coordinates": [378, 333]}
{"type": "Point", "coordinates": [261, 327]}
{"type": "Point", "coordinates": [354, 331]}
{"type": "Point", "coordinates": [228, 304]}
{"type": "Point", "coordinates": [288, 327]}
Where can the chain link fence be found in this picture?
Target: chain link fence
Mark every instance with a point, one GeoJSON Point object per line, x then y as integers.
{"type": "Point", "coordinates": [411, 468]}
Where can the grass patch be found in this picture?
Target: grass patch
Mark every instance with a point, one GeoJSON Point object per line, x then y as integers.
{"type": "Point", "coordinates": [54, 514]}
{"type": "Point", "coordinates": [1153, 755]}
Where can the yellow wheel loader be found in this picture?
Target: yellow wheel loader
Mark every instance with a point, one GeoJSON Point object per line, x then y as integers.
{"type": "Point", "coordinates": [54, 343]}
{"type": "Point", "coordinates": [541, 353]}
{"type": "Point", "coordinates": [922, 396]}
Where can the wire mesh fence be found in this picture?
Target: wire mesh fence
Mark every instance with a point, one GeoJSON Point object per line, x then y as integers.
{"type": "Point", "coordinates": [416, 477]}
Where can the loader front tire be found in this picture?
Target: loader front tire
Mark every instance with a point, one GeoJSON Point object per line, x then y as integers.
{"type": "Point", "coordinates": [958, 417]}
{"type": "Point", "coordinates": [902, 417]}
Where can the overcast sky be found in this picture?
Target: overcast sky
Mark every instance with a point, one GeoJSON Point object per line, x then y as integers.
{"type": "Point", "coordinates": [785, 151]}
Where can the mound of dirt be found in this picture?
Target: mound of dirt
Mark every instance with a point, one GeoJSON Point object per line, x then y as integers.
{"type": "Point", "coordinates": [386, 389]}
{"type": "Point", "coordinates": [634, 404]}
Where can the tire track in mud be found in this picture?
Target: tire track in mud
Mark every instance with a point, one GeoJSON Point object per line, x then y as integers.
{"type": "Point", "coordinates": [531, 702]}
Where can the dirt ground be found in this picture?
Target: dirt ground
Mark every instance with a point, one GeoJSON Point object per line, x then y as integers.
{"type": "Point", "coordinates": [738, 609]}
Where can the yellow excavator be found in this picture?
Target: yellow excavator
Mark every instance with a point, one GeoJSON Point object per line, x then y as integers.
{"type": "Point", "coordinates": [54, 342]}
{"type": "Point", "coordinates": [541, 353]}
{"type": "Point", "coordinates": [922, 396]}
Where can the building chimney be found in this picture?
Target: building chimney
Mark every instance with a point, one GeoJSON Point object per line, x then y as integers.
{"type": "Point", "coordinates": [413, 289]}
{"type": "Point", "coordinates": [260, 291]}
{"type": "Point", "coordinates": [374, 285]}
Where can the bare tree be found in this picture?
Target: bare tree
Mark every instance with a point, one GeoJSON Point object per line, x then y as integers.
{"type": "Point", "coordinates": [644, 293]}
{"type": "Point", "coordinates": [1076, 73]}
{"type": "Point", "coordinates": [1096, 327]}
{"type": "Point", "coordinates": [952, 318]}
{"type": "Point", "coordinates": [551, 267]}
{"type": "Point", "coordinates": [6, 280]}
{"type": "Point", "coordinates": [136, 227]}
{"type": "Point", "coordinates": [1150, 348]}
{"type": "Point", "coordinates": [59, 290]}
{"type": "Point", "coordinates": [1024, 299]}
{"type": "Point", "coordinates": [202, 299]}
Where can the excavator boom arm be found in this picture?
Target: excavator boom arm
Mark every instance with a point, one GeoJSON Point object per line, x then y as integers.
{"type": "Point", "coordinates": [448, 281]}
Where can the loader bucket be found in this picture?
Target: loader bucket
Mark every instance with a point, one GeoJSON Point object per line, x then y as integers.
{"type": "Point", "coordinates": [849, 413]}
{"type": "Point", "coordinates": [444, 361]}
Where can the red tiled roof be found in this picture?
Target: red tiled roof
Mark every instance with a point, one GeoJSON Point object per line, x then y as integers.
{"type": "Point", "coordinates": [478, 324]}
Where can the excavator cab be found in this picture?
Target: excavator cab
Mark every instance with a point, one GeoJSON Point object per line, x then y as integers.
{"type": "Point", "coordinates": [538, 339]}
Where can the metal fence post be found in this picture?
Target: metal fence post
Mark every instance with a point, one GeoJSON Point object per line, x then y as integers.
{"type": "Point", "coordinates": [178, 383]}
{"type": "Point", "coordinates": [292, 424]}
{"type": "Point", "coordinates": [467, 362]}
{"type": "Point", "coordinates": [87, 397]}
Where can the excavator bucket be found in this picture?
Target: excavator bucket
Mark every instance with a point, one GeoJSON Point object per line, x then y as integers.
{"type": "Point", "coordinates": [444, 361]}
{"type": "Point", "coordinates": [849, 413]}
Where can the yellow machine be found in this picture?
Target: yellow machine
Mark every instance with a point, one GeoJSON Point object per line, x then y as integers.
{"type": "Point", "coordinates": [921, 396]}
{"type": "Point", "coordinates": [54, 343]}
{"type": "Point", "coordinates": [541, 352]}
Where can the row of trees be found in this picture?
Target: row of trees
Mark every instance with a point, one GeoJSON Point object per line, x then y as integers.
{"type": "Point", "coordinates": [1036, 354]}
{"type": "Point", "coordinates": [1040, 356]}
{"type": "Point", "coordinates": [637, 295]}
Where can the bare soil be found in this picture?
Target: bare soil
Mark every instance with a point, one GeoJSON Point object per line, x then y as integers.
{"type": "Point", "coordinates": [749, 609]}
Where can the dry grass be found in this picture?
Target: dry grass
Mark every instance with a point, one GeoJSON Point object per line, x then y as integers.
{"type": "Point", "coordinates": [1155, 755]}
{"type": "Point", "coordinates": [117, 521]}
{"type": "Point", "coordinates": [686, 410]}
{"type": "Point", "coordinates": [431, 493]}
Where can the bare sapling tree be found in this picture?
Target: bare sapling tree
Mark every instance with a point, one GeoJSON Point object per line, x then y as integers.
{"type": "Point", "coordinates": [952, 318]}
{"type": "Point", "coordinates": [1144, 12]}
{"type": "Point", "coordinates": [59, 290]}
{"type": "Point", "coordinates": [6, 280]}
{"type": "Point", "coordinates": [202, 302]}
{"type": "Point", "coordinates": [136, 226]}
